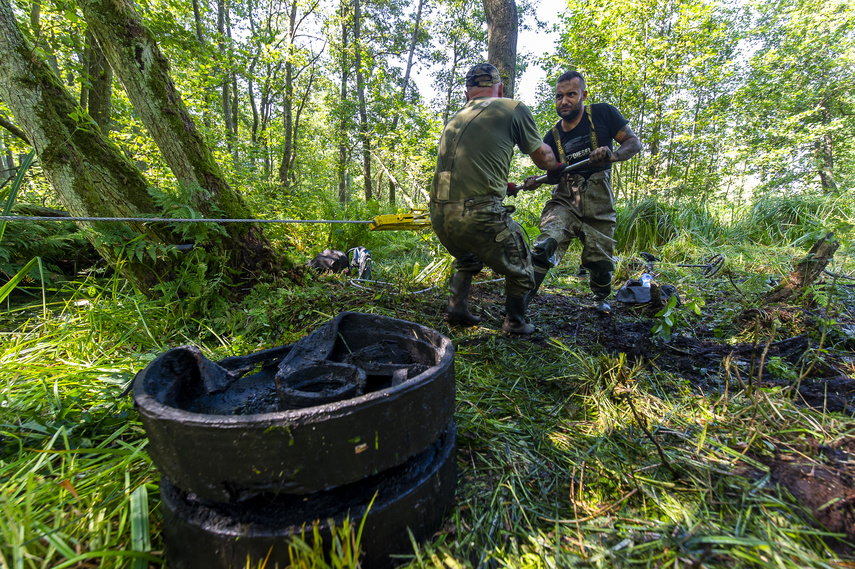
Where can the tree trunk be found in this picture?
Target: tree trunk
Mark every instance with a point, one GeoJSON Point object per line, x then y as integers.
{"type": "Point", "coordinates": [360, 92]}
{"type": "Point", "coordinates": [502, 25]}
{"type": "Point", "coordinates": [691, 157]}
{"type": "Point", "coordinates": [197, 20]}
{"type": "Point", "coordinates": [8, 160]}
{"type": "Point", "coordinates": [144, 72]}
{"type": "Point", "coordinates": [807, 270]}
{"type": "Point", "coordinates": [90, 175]}
{"type": "Point", "coordinates": [40, 41]}
{"type": "Point", "coordinates": [343, 189]}
{"type": "Point", "coordinates": [404, 85]}
{"type": "Point", "coordinates": [457, 56]}
{"type": "Point", "coordinates": [823, 150]}
{"type": "Point", "coordinates": [287, 104]}
{"type": "Point", "coordinates": [200, 37]}
{"type": "Point", "coordinates": [101, 78]}
{"type": "Point", "coordinates": [253, 129]}
{"type": "Point", "coordinates": [225, 85]}
{"type": "Point", "coordinates": [233, 77]}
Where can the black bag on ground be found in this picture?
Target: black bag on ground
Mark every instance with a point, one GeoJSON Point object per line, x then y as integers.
{"type": "Point", "coordinates": [331, 260]}
{"type": "Point", "coordinates": [633, 292]}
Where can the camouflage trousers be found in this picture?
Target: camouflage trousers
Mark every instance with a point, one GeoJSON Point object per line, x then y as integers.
{"type": "Point", "coordinates": [480, 231]}
{"type": "Point", "coordinates": [580, 209]}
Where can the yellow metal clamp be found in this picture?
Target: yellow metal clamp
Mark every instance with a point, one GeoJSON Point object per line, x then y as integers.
{"type": "Point", "coordinates": [416, 219]}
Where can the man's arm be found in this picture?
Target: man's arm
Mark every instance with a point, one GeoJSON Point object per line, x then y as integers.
{"type": "Point", "coordinates": [544, 158]}
{"type": "Point", "coordinates": [629, 147]}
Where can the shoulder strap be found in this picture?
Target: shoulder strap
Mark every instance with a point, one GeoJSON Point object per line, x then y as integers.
{"type": "Point", "coordinates": [557, 138]}
{"type": "Point", "coordinates": [593, 130]}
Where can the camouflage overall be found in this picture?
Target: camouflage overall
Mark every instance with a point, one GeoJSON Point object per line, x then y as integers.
{"type": "Point", "coordinates": [582, 209]}
{"type": "Point", "coordinates": [480, 231]}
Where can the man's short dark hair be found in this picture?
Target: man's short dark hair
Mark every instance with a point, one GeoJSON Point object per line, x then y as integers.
{"type": "Point", "coordinates": [569, 76]}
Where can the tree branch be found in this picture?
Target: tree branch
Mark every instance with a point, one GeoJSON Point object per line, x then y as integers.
{"type": "Point", "coordinates": [8, 125]}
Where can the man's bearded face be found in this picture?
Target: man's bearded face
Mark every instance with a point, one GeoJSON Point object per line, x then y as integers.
{"type": "Point", "coordinates": [569, 99]}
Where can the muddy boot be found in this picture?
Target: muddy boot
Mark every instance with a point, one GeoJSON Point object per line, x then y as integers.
{"type": "Point", "coordinates": [515, 316]}
{"type": "Point", "coordinates": [538, 279]}
{"type": "Point", "coordinates": [457, 311]}
{"type": "Point", "coordinates": [601, 286]}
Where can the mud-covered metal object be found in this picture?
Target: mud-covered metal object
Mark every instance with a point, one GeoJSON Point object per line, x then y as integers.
{"type": "Point", "coordinates": [252, 447]}
{"type": "Point", "coordinates": [230, 444]}
{"type": "Point", "coordinates": [416, 495]}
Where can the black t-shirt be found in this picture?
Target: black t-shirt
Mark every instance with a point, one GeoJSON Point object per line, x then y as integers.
{"type": "Point", "coordinates": [578, 144]}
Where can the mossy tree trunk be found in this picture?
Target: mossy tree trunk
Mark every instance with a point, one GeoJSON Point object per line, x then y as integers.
{"type": "Point", "coordinates": [90, 175]}
{"type": "Point", "coordinates": [143, 71]}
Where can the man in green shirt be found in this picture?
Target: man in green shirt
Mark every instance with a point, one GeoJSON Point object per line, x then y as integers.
{"type": "Point", "coordinates": [469, 184]}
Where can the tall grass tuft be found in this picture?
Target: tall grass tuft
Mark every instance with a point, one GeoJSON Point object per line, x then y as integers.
{"type": "Point", "coordinates": [789, 219]}
{"type": "Point", "coordinates": [646, 224]}
{"type": "Point", "coordinates": [650, 223]}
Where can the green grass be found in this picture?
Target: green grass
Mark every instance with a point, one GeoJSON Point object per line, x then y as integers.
{"type": "Point", "coordinates": [568, 456]}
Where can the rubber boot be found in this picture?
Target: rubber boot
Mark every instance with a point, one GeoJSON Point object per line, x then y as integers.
{"type": "Point", "coordinates": [601, 286]}
{"type": "Point", "coordinates": [457, 311]}
{"type": "Point", "coordinates": [515, 316]}
{"type": "Point", "coordinates": [538, 280]}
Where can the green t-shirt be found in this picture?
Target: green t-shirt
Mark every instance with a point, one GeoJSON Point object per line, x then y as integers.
{"type": "Point", "coordinates": [476, 148]}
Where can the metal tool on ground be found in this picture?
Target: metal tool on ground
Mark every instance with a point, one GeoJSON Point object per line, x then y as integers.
{"type": "Point", "coordinates": [711, 265]}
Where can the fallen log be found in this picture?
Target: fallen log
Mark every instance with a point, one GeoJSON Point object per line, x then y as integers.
{"type": "Point", "coordinates": [806, 272]}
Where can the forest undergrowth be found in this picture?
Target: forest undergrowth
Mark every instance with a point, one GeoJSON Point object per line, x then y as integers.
{"type": "Point", "coordinates": [725, 438]}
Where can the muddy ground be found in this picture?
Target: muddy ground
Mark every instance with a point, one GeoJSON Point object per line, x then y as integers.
{"type": "Point", "coordinates": [817, 347]}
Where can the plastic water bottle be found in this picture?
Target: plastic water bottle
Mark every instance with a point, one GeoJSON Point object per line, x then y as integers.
{"type": "Point", "coordinates": [645, 280]}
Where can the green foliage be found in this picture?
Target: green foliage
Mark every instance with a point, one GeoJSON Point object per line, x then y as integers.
{"type": "Point", "coordinates": [796, 98]}
{"type": "Point", "coordinates": [59, 244]}
{"type": "Point", "coordinates": [341, 553]}
{"type": "Point", "coordinates": [140, 536]}
{"type": "Point", "coordinates": [668, 68]}
{"type": "Point", "coordinates": [670, 316]}
{"type": "Point", "coordinates": [8, 196]}
{"type": "Point", "coordinates": [548, 442]}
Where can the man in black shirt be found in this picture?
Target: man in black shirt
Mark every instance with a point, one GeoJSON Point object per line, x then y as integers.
{"type": "Point", "coordinates": [582, 203]}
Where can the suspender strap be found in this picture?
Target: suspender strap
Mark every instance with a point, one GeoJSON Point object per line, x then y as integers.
{"type": "Point", "coordinates": [557, 137]}
{"type": "Point", "coordinates": [593, 130]}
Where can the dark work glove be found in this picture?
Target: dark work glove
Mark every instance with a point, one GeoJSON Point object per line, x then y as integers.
{"type": "Point", "coordinates": [513, 190]}
{"type": "Point", "coordinates": [554, 175]}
